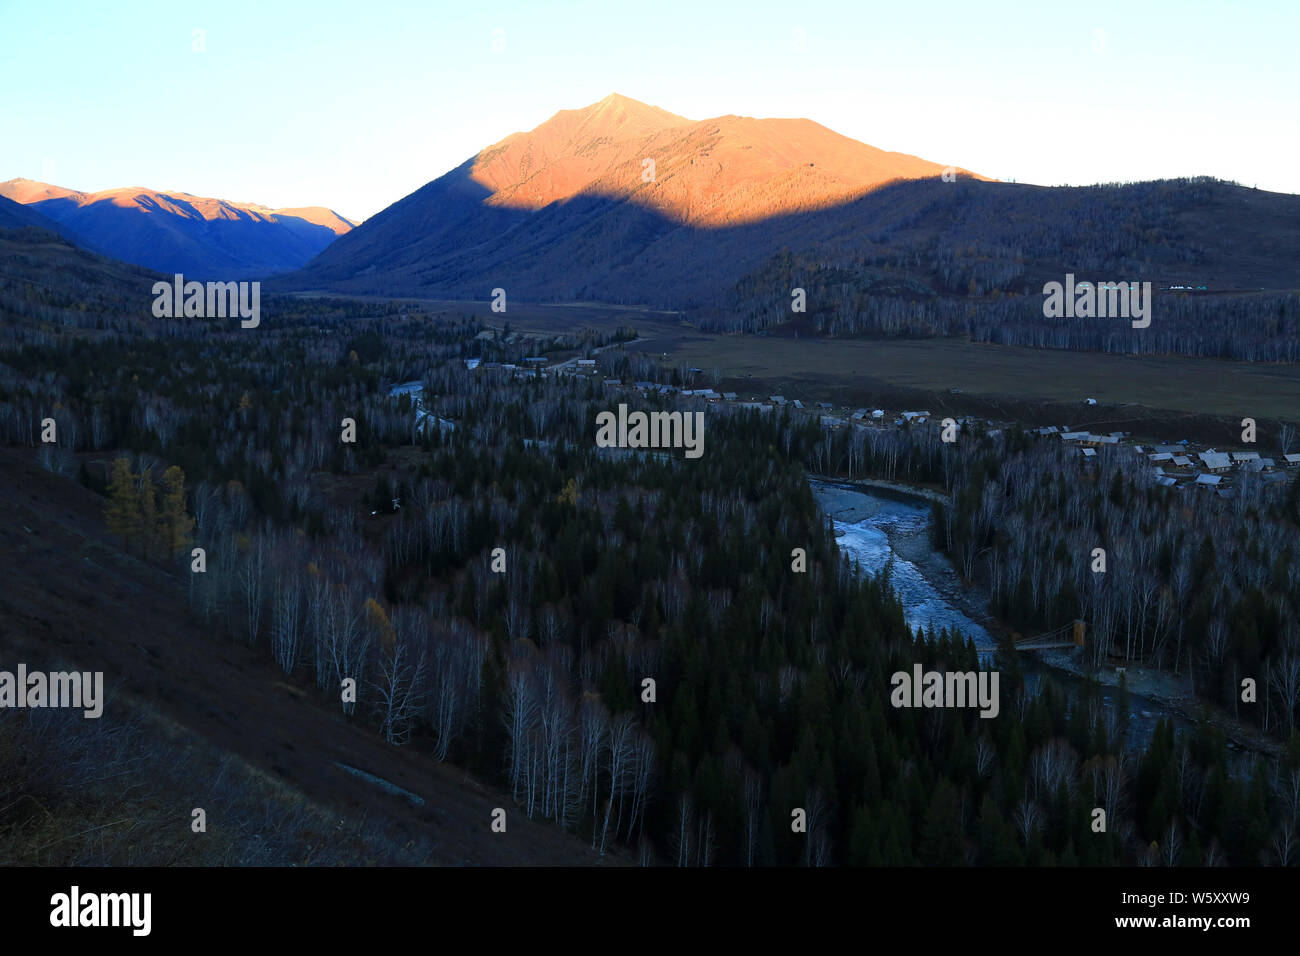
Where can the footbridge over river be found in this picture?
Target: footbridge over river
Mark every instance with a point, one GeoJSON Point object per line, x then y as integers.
{"type": "Point", "coordinates": [881, 484]}
{"type": "Point", "coordinates": [1067, 635]}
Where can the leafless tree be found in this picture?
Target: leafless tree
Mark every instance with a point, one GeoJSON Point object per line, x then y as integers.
{"type": "Point", "coordinates": [984, 756]}
{"type": "Point", "coordinates": [252, 576]}
{"type": "Point", "coordinates": [400, 674]}
{"type": "Point", "coordinates": [1173, 844]}
{"type": "Point", "coordinates": [1286, 437]}
{"type": "Point", "coordinates": [681, 835]}
{"type": "Point", "coordinates": [455, 669]}
{"type": "Point", "coordinates": [521, 718]}
{"type": "Point", "coordinates": [818, 809]}
{"type": "Point", "coordinates": [1026, 817]}
{"type": "Point", "coordinates": [1283, 675]}
{"type": "Point", "coordinates": [286, 620]}
{"type": "Point", "coordinates": [619, 754]}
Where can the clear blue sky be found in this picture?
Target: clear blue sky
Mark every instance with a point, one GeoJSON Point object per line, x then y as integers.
{"type": "Point", "coordinates": [354, 105]}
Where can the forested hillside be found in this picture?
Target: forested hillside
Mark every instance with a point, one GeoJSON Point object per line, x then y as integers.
{"type": "Point", "coordinates": [915, 258]}
{"type": "Point", "coordinates": [970, 258]}
{"type": "Point", "coordinates": [377, 561]}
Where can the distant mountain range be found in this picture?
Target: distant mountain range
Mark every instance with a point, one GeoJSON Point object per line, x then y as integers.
{"type": "Point", "coordinates": [178, 232]}
{"type": "Point", "coordinates": [622, 202]}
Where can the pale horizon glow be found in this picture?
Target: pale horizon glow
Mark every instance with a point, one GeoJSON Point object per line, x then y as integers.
{"type": "Point", "coordinates": [350, 108]}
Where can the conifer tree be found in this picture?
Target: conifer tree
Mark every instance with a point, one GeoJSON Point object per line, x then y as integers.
{"type": "Point", "coordinates": [122, 514]}
{"type": "Point", "coordinates": [148, 515]}
{"type": "Point", "coordinates": [176, 524]}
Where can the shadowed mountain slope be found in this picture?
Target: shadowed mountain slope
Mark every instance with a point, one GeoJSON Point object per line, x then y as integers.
{"type": "Point", "coordinates": [178, 232]}
{"type": "Point", "coordinates": [571, 207]}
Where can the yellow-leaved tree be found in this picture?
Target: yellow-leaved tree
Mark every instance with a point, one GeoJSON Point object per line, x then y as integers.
{"type": "Point", "coordinates": [377, 620]}
{"type": "Point", "coordinates": [122, 513]}
{"type": "Point", "coordinates": [148, 515]}
{"type": "Point", "coordinates": [175, 523]}
{"type": "Point", "coordinates": [134, 512]}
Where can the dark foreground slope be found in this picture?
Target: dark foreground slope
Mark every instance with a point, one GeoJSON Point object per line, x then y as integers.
{"type": "Point", "coordinates": [195, 723]}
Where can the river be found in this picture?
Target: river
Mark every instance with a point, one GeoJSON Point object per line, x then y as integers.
{"type": "Point", "coordinates": [416, 391]}
{"type": "Point", "coordinates": [881, 529]}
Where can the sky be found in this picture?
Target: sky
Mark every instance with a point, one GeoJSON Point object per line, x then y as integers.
{"type": "Point", "coordinates": [354, 105]}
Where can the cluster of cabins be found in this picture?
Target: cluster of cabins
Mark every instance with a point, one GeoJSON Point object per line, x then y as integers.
{"type": "Point", "coordinates": [534, 364]}
{"type": "Point", "coordinates": [1177, 465]}
{"type": "Point", "coordinates": [512, 369]}
{"type": "Point", "coordinates": [1215, 469]}
{"type": "Point", "coordinates": [586, 367]}
{"type": "Point", "coordinates": [1088, 443]}
{"type": "Point", "coordinates": [860, 416]}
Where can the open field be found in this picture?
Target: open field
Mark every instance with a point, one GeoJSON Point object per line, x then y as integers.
{"type": "Point", "coordinates": [1147, 395]}
{"type": "Point", "coordinates": [531, 316]}
{"type": "Point", "coordinates": [837, 369]}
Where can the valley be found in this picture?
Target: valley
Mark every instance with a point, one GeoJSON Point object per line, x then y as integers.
{"type": "Point", "coordinates": [381, 567]}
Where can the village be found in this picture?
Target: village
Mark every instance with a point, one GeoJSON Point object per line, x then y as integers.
{"type": "Point", "coordinates": [1175, 464]}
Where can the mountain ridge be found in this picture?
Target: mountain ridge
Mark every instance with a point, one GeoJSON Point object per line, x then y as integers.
{"type": "Point", "coordinates": [176, 231]}
{"type": "Point", "coordinates": [598, 186]}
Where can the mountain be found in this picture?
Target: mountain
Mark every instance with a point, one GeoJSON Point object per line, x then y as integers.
{"type": "Point", "coordinates": [178, 232]}
{"type": "Point", "coordinates": [14, 215]}
{"type": "Point", "coordinates": [724, 171]}
{"type": "Point", "coordinates": [573, 207]}
{"type": "Point", "coordinates": [739, 211]}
